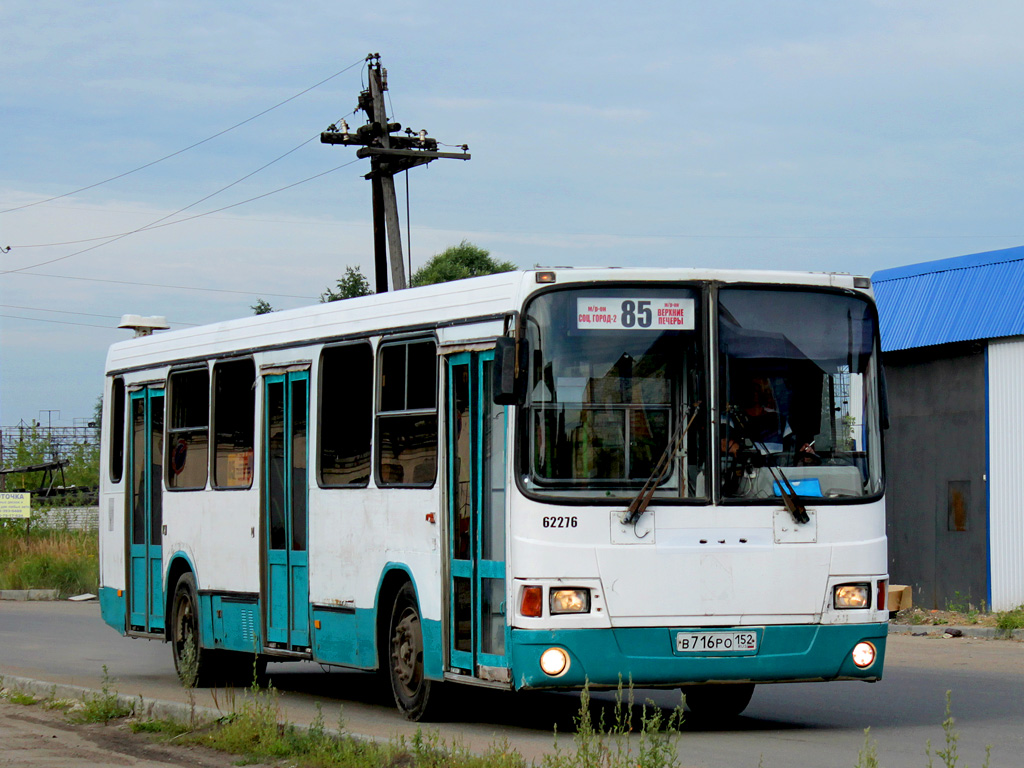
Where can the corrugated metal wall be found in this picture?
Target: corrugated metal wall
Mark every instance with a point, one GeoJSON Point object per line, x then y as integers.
{"type": "Point", "coordinates": [1006, 471]}
{"type": "Point", "coordinates": [934, 466]}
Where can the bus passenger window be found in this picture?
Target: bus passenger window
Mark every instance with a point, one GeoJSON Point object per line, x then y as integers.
{"type": "Point", "coordinates": [407, 414]}
{"type": "Point", "coordinates": [234, 419]}
{"type": "Point", "coordinates": [346, 415]}
{"type": "Point", "coordinates": [188, 440]}
{"type": "Point", "coordinates": [117, 430]}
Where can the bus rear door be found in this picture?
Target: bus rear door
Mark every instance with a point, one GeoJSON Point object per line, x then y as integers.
{"type": "Point", "coordinates": [145, 514]}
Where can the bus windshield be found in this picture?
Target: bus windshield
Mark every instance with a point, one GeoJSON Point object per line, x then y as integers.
{"type": "Point", "coordinates": [797, 392]}
{"type": "Point", "coordinates": [612, 371]}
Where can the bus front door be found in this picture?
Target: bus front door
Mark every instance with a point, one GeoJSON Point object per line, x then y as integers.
{"type": "Point", "coordinates": [476, 627]}
{"type": "Point", "coordinates": [145, 514]}
{"type": "Point", "coordinates": [285, 419]}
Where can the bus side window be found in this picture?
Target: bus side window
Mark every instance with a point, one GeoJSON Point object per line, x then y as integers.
{"type": "Point", "coordinates": [188, 440]}
{"type": "Point", "coordinates": [346, 415]}
{"type": "Point", "coordinates": [234, 419]}
{"type": "Point", "coordinates": [407, 414]}
{"type": "Point", "coordinates": [117, 430]}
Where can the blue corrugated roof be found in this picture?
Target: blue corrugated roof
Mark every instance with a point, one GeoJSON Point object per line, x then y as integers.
{"type": "Point", "coordinates": [979, 296]}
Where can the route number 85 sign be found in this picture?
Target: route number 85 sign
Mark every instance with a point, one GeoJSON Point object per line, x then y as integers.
{"type": "Point", "coordinates": [595, 314]}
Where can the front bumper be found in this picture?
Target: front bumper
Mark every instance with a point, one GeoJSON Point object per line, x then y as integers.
{"type": "Point", "coordinates": [648, 657]}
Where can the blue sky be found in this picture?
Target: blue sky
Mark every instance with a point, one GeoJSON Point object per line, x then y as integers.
{"type": "Point", "coordinates": [796, 135]}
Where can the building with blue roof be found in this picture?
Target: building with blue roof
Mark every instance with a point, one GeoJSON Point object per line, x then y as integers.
{"type": "Point", "coordinates": [953, 346]}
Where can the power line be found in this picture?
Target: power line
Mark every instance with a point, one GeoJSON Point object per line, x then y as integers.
{"type": "Point", "coordinates": [69, 312]}
{"type": "Point", "coordinates": [60, 322]}
{"type": "Point", "coordinates": [115, 238]}
{"type": "Point", "coordinates": [152, 224]}
{"type": "Point", "coordinates": [164, 285]}
{"type": "Point", "coordinates": [186, 149]}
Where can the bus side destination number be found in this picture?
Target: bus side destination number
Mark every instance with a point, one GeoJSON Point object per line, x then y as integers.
{"type": "Point", "coordinates": [561, 522]}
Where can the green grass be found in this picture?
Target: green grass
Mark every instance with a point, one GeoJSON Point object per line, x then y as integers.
{"type": "Point", "coordinates": [1010, 620]}
{"type": "Point", "coordinates": [101, 707]}
{"type": "Point", "coordinates": [67, 561]}
{"type": "Point", "coordinates": [20, 697]}
{"type": "Point", "coordinates": [168, 728]}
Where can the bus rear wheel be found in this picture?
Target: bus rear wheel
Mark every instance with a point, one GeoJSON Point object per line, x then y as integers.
{"type": "Point", "coordinates": [415, 695]}
{"type": "Point", "coordinates": [199, 667]}
{"type": "Point", "coordinates": [718, 701]}
{"type": "Point", "coordinates": [193, 663]}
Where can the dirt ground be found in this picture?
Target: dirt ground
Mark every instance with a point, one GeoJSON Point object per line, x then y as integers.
{"type": "Point", "coordinates": [34, 737]}
{"type": "Point", "coordinates": [964, 618]}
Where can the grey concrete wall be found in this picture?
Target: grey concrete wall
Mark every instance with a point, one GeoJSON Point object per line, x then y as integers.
{"type": "Point", "coordinates": [73, 518]}
{"type": "Point", "coordinates": [935, 468]}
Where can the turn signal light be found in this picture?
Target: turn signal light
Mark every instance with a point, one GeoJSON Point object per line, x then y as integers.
{"type": "Point", "coordinates": [883, 595]}
{"type": "Point", "coordinates": [532, 603]}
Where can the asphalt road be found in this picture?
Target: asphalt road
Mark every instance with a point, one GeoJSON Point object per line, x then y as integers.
{"type": "Point", "coordinates": [793, 725]}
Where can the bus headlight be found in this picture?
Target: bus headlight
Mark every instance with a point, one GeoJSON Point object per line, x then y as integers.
{"type": "Point", "coordinates": [864, 654]}
{"type": "Point", "coordinates": [554, 662]}
{"type": "Point", "coordinates": [852, 596]}
{"type": "Point", "coordinates": [575, 600]}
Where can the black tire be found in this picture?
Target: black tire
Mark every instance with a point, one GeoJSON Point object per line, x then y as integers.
{"type": "Point", "coordinates": [415, 696]}
{"type": "Point", "coordinates": [194, 664]}
{"type": "Point", "coordinates": [208, 667]}
{"type": "Point", "coordinates": [239, 669]}
{"type": "Point", "coordinates": [718, 701]}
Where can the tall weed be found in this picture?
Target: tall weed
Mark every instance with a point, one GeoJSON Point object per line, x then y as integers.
{"type": "Point", "coordinates": [101, 707]}
{"type": "Point", "coordinates": [67, 561]}
{"type": "Point", "coordinates": [650, 743]}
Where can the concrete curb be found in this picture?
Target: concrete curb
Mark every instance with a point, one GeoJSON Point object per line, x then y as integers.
{"type": "Point", "coordinates": [939, 630]}
{"type": "Point", "coordinates": [177, 711]}
{"type": "Point", "coordinates": [23, 595]}
{"type": "Point", "coordinates": [170, 710]}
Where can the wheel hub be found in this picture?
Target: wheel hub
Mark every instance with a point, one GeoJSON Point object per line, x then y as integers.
{"type": "Point", "coordinates": [406, 653]}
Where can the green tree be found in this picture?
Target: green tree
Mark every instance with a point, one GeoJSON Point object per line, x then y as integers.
{"type": "Point", "coordinates": [261, 307]}
{"type": "Point", "coordinates": [459, 262]}
{"type": "Point", "coordinates": [354, 283]}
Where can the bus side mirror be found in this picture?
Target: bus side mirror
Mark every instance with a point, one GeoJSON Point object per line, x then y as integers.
{"type": "Point", "coordinates": [508, 388]}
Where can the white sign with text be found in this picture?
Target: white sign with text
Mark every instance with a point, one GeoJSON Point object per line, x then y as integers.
{"type": "Point", "coordinates": [634, 314]}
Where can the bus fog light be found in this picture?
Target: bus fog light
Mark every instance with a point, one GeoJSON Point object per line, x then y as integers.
{"type": "Point", "coordinates": [852, 596]}
{"type": "Point", "coordinates": [863, 654]}
{"type": "Point", "coordinates": [570, 601]}
{"type": "Point", "coordinates": [554, 662]}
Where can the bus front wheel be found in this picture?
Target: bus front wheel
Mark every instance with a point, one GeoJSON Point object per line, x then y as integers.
{"type": "Point", "coordinates": [414, 694]}
{"type": "Point", "coordinates": [718, 701]}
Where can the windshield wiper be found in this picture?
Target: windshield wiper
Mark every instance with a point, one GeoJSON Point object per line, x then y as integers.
{"type": "Point", "coordinates": [789, 495]}
{"type": "Point", "coordinates": [638, 506]}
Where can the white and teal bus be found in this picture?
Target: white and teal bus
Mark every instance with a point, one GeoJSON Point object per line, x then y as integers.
{"type": "Point", "coordinates": [531, 480]}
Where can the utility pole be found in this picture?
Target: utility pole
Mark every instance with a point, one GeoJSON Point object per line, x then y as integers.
{"type": "Point", "coordinates": [389, 154]}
